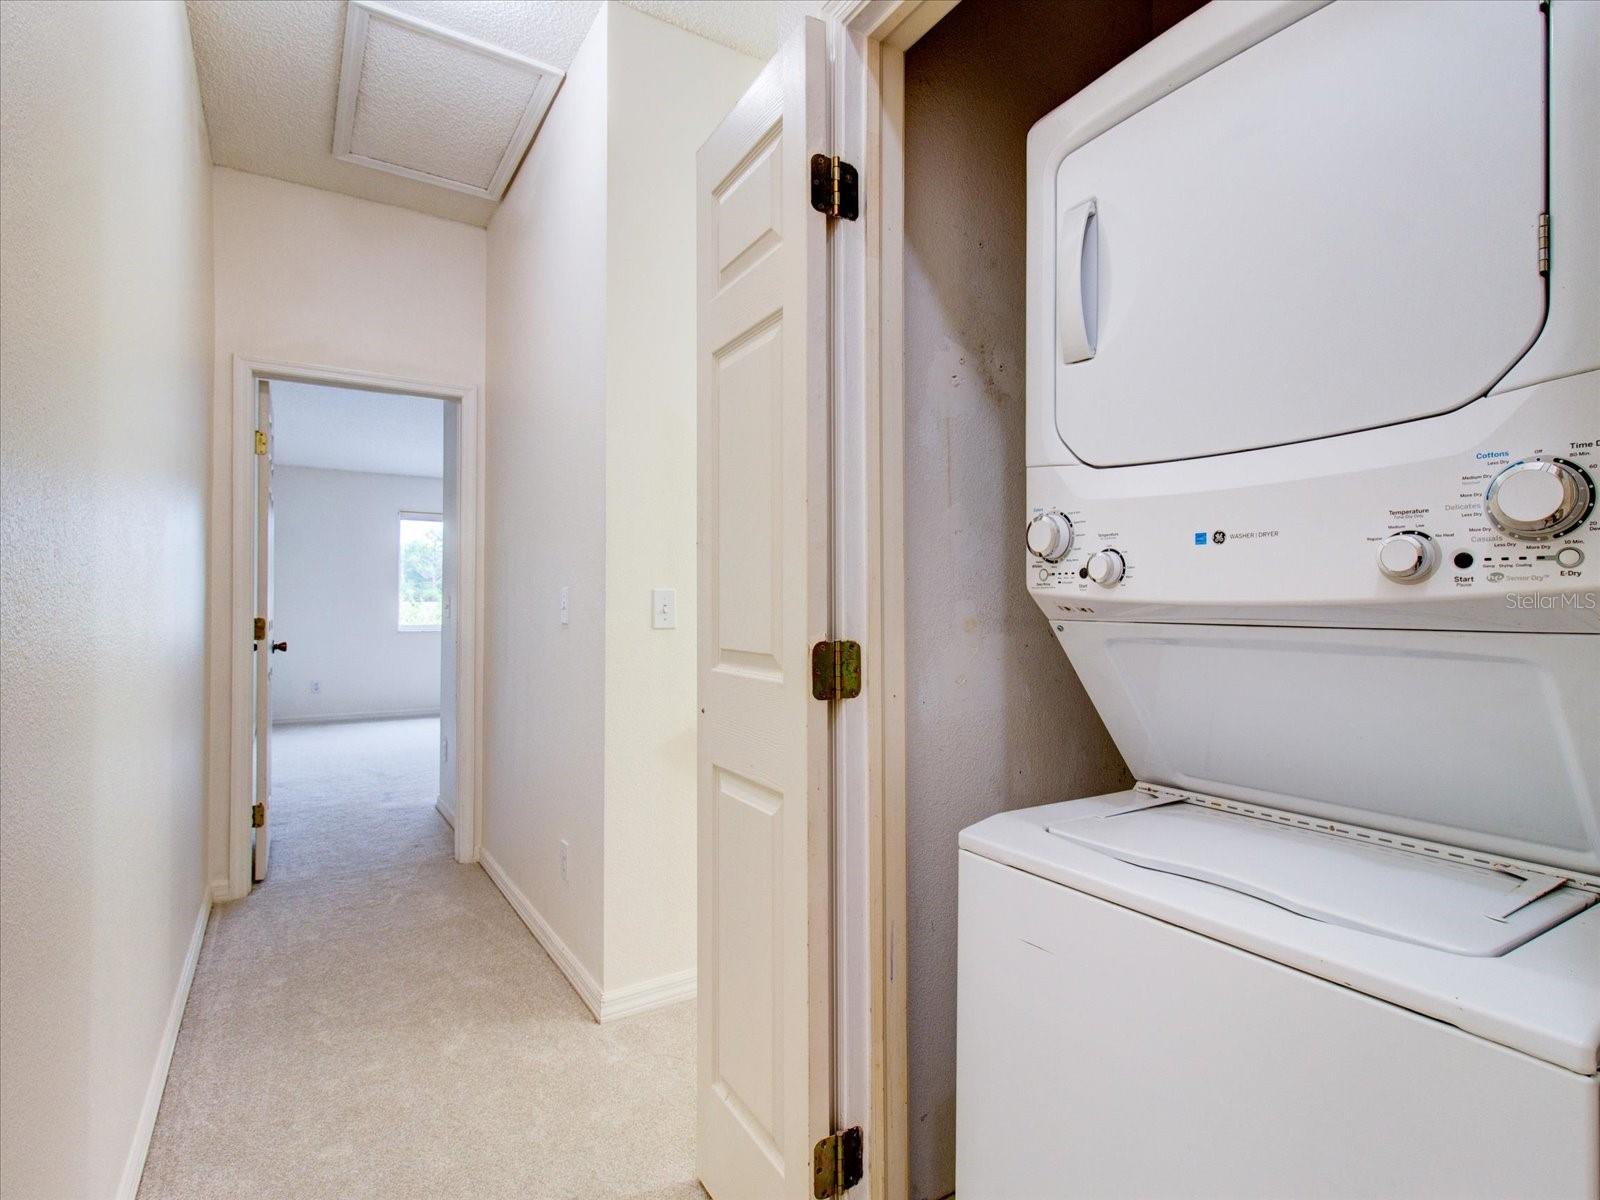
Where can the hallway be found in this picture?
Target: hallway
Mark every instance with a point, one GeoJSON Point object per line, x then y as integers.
{"type": "Point", "coordinates": [375, 1020]}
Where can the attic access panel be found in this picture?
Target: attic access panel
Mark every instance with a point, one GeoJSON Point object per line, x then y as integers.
{"type": "Point", "coordinates": [1337, 229]}
{"type": "Point", "coordinates": [431, 104]}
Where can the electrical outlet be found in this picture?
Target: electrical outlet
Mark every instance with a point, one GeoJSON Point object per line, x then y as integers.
{"type": "Point", "coordinates": [663, 608]}
{"type": "Point", "coordinates": [565, 846]}
{"type": "Point", "coordinates": [566, 605]}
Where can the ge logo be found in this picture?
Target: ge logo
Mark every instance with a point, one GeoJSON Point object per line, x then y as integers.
{"type": "Point", "coordinates": [1219, 537]}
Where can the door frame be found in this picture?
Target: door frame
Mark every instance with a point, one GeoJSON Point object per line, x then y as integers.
{"type": "Point", "coordinates": [236, 649]}
{"type": "Point", "coordinates": [868, 41]}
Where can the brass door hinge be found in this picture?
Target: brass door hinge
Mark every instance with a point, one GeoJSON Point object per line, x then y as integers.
{"type": "Point", "coordinates": [836, 670]}
{"type": "Point", "coordinates": [258, 629]}
{"type": "Point", "coordinates": [1544, 243]}
{"type": "Point", "coordinates": [261, 441]}
{"type": "Point", "coordinates": [835, 187]}
{"type": "Point", "coordinates": [836, 1164]}
{"type": "Point", "coordinates": [258, 815]}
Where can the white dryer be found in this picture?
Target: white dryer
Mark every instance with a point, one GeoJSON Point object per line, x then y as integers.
{"type": "Point", "coordinates": [1313, 409]}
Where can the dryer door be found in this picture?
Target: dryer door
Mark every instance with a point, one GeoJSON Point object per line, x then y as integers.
{"type": "Point", "coordinates": [1334, 230]}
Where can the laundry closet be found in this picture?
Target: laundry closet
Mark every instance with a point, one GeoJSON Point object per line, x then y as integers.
{"type": "Point", "coordinates": [1291, 889]}
{"type": "Point", "coordinates": [995, 717]}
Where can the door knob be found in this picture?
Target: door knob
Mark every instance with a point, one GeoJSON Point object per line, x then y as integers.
{"type": "Point", "coordinates": [277, 646]}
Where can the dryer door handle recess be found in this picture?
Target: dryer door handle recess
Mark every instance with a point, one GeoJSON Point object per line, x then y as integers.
{"type": "Point", "coordinates": [1078, 282]}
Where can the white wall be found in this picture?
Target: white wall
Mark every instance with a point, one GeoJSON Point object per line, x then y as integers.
{"type": "Point", "coordinates": [544, 705]}
{"type": "Point", "coordinates": [651, 491]}
{"type": "Point", "coordinates": [995, 717]}
{"type": "Point", "coordinates": [590, 727]}
{"type": "Point", "coordinates": [105, 367]}
{"type": "Point", "coordinates": [308, 276]}
{"type": "Point", "coordinates": [336, 597]}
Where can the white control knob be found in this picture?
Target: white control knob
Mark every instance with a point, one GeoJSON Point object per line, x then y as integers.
{"type": "Point", "coordinates": [1105, 567]}
{"type": "Point", "coordinates": [1408, 557]}
{"type": "Point", "coordinates": [1050, 536]}
{"type": "Point", "coordinates": [1539, 498]}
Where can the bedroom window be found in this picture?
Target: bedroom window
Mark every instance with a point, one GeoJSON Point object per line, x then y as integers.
{"type": "Point", "coordinates": [421, 572]}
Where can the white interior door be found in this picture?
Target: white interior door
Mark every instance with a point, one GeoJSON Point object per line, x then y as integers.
{"type": "Point", "coordinates": [261, 814]}
{"type": "Point", "coordinates": [764, 864]}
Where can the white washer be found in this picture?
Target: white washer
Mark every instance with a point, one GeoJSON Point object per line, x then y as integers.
{"type": "Point", "coordinates": [1313, 408]}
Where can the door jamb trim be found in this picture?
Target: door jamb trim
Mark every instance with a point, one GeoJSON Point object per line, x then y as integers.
{"type": "Point", "coordinates": [868, 40]}
{"type": "Point", "coordinates": [231, 878]}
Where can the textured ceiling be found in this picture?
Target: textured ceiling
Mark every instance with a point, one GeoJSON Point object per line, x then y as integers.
{"type": "Point", "coordinates": [269, 75]}
{"type": "Point", "coordinates": [342, 429]}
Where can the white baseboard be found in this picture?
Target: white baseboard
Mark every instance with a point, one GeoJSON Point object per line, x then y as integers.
{"type": "Point", "coordinates": [399, 714]}
{"type": "Point", "coordinates": [577, 974]}
{"type": "Point", "coordinates": [449, 817]}
{"type": "Point", "coordinates": [604, 1005]}
{"type": "Point", "coordinates": [134, 1168]}
{"type": "Point", "coordinates": [648, 994]}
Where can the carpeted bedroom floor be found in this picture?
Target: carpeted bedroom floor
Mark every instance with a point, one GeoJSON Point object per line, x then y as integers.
{"type": "Point", "coordinates": [375, 1021]}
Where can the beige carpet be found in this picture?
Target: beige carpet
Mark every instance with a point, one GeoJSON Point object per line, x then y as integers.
{"type": "Point", "coordinates": [375, 1021]}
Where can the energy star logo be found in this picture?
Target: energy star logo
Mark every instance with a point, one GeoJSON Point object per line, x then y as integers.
{"type": "Point", "coordinates": [1199, 539]}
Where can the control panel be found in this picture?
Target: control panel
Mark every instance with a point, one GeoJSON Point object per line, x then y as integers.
{"type": "Point", "coordinates": [1387, 528]}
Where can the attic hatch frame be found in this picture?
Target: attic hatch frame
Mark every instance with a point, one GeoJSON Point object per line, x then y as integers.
{"type": "Point", "coordinates": [359, 15]}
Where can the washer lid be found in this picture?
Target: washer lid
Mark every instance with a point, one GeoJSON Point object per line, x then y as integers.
{"type": "Point", "coordinates": [1542, 998]}
{"type": "Point", "coordinates": [1393, 893]}
{"type": "Point", "coordinates": [1483, 741]}
{"type": "Point", "coordinates": [1336, 229]}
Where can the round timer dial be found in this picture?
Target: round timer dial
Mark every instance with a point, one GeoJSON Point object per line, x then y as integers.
{"type": "Point", "coordinates": [1050, 536]}
{"type": "Point", "coordinates": [1539, 498]}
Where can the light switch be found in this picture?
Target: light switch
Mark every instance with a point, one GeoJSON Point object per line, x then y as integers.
{"type": "Point", "coordinates": [566, 605]}
{"type": "Point", "coordinates": [663, 608]}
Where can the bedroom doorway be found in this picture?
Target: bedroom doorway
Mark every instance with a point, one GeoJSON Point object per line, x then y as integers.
{"type": "Point", "coordinates": [354, 694]}
{"type": "Point", "coordinates": [351, 566]}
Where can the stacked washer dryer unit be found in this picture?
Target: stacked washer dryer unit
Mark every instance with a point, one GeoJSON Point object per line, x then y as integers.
{"type": "Point", "coordinates": [1313, 405]}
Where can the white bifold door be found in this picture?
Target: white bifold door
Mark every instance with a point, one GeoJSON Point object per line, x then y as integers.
{"type": "Point", "coordinates": [764, 1057]}
{"type": "Point", "coordinates": [265, 647]}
